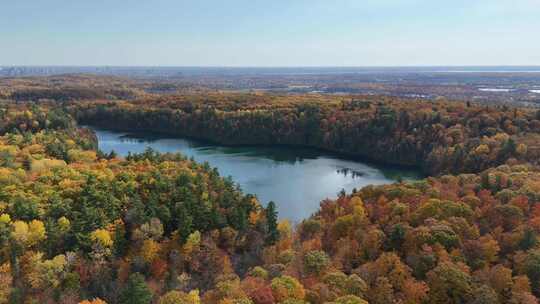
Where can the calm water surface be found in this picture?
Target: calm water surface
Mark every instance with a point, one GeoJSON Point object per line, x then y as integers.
{"type": "Point", "coordinates": [296, 179]}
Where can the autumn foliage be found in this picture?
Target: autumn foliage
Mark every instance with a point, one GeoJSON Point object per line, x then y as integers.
{"type": "Point", "coordinates": [80, 226]}
{"type": "Point", "coordinates": [438, 137]}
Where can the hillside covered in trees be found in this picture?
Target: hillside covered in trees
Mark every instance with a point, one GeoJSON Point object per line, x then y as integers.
{"type": "Point", "coordinates": [79, 226]}
{"type": "Point", "coordinates": [439, 137]}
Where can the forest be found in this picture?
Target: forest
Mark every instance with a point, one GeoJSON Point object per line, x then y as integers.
{"type": "Point", "coordinates": [81, 226]}
{"type": "Point", "coordinates": [438, 137]}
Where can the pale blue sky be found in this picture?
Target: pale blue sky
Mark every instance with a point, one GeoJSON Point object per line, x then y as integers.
{"type": "Point", "coordinates": [270, 32]}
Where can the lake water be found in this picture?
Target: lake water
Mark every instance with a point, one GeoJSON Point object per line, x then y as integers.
{"type": "Point", "coordinates": [296, 179]}
{"type": "Point", "coordinates": [495, 90]}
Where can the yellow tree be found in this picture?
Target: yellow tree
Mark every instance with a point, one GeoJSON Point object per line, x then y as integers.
{"type": "Point", "coordinates": [287, 288]}
{"type": "Point", "coordinates": [179, 297]}
{"type": "Point", "coordinates": [94, 301]}
{"type": "Point", "coordinates": [19, 235]}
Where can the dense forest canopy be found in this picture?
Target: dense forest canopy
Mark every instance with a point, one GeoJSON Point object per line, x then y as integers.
{"type": "Point", "coordinates": [439, 137]}
{"type": "Point", "coordinates": [81, 226]}
{"type": "Point", "coordinates": [70, 216]}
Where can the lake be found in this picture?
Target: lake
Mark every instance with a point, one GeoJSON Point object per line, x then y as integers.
{"type": "Point", "coordinates": [296, 179]}
{"type": "Point", "coordinates": [495, 90]}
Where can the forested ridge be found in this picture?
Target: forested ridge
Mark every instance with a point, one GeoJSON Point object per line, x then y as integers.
{"type": "Point", "coordinates": [78, 224]}
{"type": "Point", "coordinates": [438, 137]}
{"type": "Point", "coordinates": [81, 226]}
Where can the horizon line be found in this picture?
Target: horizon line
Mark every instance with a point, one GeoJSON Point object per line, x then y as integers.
{"type": "Point", "coordinates": [269, 67]}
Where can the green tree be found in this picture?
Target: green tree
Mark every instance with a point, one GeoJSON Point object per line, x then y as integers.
{"type": "Point", "coordinates": [449, 284]}
{"type": "Point", "coordinates": [532, 269]}
{"type": "Point", "coordinates": [136, 291]}
{"type": "Point", "coordinates": [185, 223]}
{"type": "Point", "coordinates": [350, 299]}
{"type": "Point", "coordinates": [316, 261]}
{"type": "Point", "coordinates": [271, 221]}
{"type": "Point", "coordinates": [529, 239]}
{"type": "Point", "coordinates": [485, 295]}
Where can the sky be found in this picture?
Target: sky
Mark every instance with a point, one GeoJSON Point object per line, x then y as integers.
{"type": "Point", "coordinates": [265, 33]}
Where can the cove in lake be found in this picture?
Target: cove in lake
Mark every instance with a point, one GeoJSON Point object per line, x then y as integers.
{"type": "Point", "coordinates": [296, 179]}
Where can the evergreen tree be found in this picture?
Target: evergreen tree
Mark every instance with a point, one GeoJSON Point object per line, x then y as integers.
{"type": "Point", "coordinates": [112, 155]}
{"type": "Point", "coordinates": [136, 291]}
{"type": "Point", "coordinates": [532, 270]}
{"type": "Point", "coordinates": [271, 221]}
{"type": "Point", "coordinates": [185, 223]}
{"type": "Point", "coordinates": [120, 241]}
{"type": "Point", "coordinates": [509, 148]}
{"type": "Point", "coordinates": [529, 240]}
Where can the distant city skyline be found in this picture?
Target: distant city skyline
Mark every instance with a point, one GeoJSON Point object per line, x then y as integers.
{"type": "Point", "coordinates": [279, 33]}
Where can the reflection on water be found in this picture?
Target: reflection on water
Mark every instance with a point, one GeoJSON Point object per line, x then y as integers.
{"type": "Point", "coordinates": [354, 174]}
{"type": "Point", "coordinates": [297, 179]}
{"type": "Point", "coordinates": [279, 155]}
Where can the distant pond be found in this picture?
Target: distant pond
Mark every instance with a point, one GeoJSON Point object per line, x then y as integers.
{"type": "Point", "coordinates": [296, 179]}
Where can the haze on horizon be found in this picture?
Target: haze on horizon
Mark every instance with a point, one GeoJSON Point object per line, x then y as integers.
{"type": "Point", "coordinates": [270, 33]}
